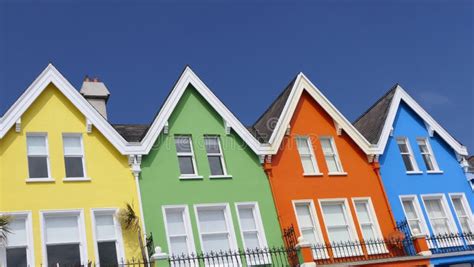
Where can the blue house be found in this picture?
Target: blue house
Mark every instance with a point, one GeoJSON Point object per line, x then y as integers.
{"type": "Point", "coordinates": [423, 169]}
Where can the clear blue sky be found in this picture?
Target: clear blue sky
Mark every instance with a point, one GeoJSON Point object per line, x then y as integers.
{"type": "Point", "coordinates": [247, 53]}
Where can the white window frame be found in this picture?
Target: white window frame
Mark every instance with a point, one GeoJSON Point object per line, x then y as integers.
{"type": "Point", "coordinates": [220, 155]}
{"type": "Point", "coordinates": [466, 207]}
{"type": "Point", "coordinates": [416, 169]}
{"type": "Point", "coordinates": [187, 154]}
{"type": "Point", "coordinates": [79, 213]}
{"type": "Point", "coordinates": [321, 251]}
{"type": "Point", "coordinates": [445, 206]}
{"type": "Point", "coordinates": [334, 154]}
{"type": "Point", "coordinates": [33, 179]}
{"type": "Point", "coordinates": [418, 211]}
{"type": "Point", "coordinates": [375, 249]}
{"type": "Point", "coordinates": [228, 219]}
{"type": "Point", "coordinates": [118, 233]}
{"type": "Point", "coordinates": [187, 225]}
{"type": "Point", "coordinates": [311, 155]}
{"type": "Point", "coordinates": [82, 157]}
{"type": "Point", "coordinates": [30, 251]}
{"type": "Point", "coordinates": [356, 250]}
{"type": "Point", "coordinates": [430, 153]}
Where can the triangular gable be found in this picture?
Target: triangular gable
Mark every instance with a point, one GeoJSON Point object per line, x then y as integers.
{"type": "Point", "coordinates": [51, 75]}
{"type": "Point", "coordinates": [303, 83]}
{"type": "Point", "coordinates": [189, 77]}
{"type": "Point", "coordinates": [432, 126]}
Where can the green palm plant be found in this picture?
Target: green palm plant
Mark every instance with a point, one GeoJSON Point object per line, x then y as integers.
{"type": "Point", "coordinates": [4, 227]}
{"type": "Point", "coordinates": [131, 222]}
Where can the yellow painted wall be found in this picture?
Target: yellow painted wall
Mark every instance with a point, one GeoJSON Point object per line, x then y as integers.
{"type": "Point", "coordinates": [112, 183]}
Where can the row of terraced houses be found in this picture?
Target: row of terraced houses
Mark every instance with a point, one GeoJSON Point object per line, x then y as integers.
{"type": "Point", "coordinates": [303, 186]}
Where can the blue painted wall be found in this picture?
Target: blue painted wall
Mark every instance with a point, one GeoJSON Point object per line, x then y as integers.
{"type": "Point", "coordinates": [397, 182]}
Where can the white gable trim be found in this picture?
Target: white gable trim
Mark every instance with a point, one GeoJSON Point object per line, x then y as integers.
{"type": "Point", "coordinates": [303, 83]}
{"type": "Point", "coordinates": [189, 77]}
{"type": "Point", "coordinates": [51, 75]}
{"type": "Point", "coordinates": [430, 123]}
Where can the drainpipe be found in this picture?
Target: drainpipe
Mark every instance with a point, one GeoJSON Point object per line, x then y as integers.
{"type": "Point", "coordinates": [135, 161]}
{"type": "Point", "coordinates": [376, 167]}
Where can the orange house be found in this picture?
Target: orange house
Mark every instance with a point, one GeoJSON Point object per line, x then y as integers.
{"type": "Point", "coordinates": [324, 180]}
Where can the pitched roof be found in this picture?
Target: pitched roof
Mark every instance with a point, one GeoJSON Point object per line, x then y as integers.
{"type": "Point", "coordinates": [132, 132]}
{"type": "Point", "coordinates": [470, 160]}
{"type": "Point", "coordinates": [371, 123]}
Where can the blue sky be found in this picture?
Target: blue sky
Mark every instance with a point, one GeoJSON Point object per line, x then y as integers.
{"type": "Point", "coordinates": [247, 52]}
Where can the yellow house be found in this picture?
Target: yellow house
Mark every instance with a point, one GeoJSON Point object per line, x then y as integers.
{"type": "Point", "coordinates": [64, 174]}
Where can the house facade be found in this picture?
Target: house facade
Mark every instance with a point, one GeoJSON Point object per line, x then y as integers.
{"type": "Point", "coordinates": [422, 171]}
{"type": "Point", "coordinates": [202, 184]}
{"type": "Point", "coordinates": [62, 180]}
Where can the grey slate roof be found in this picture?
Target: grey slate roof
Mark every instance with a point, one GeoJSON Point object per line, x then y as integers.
{"type": "Point", "coordinates": [263, 128]}
{"type": "Point", "coordinates": [132, 132]}
{"type": "Point", "coordinates": [470, 160]}
{"type": "Point", "coordinates": [370, 124]}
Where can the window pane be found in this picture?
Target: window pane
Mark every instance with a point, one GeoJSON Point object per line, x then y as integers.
{"type": "Point", "coordinates": [105, 227]}
{"type": "Point", "coordinates": [338, 234]}
{"type": "Point", "coordinates": [74, 167]}
{"type": "Point", "coordinates": [251, 240]}
{"type": "Point", "coordinates": [16, 257]}
{"type": "Point", "coordinates": [465, 226]}
{"type": "Point", "coordinates": [334, 214]}
{"type": "Point", "coordinates": [435, 208]}
{"type": "Point", "coordinates": [38, 167]}
{"type": "Point", "coordinates": [407, 161]}
{"type": "Point", "coordinates": [247, 220]}
{"type": "Point", "coordinates": [212, 220]}
{"type": "Point", "coordinates": [362, 212]}
{"type": "Point", "coordinates": [440, 226]}
{"type": "Point", "coordinates": [186, 164]}
{"type": "Point", "coordinates": [332, 164]}
{"type": "Point", "coordinates": [212, 145]}
{"type": "Point", "coordinates": [307, 164]}
{"type": "Point", "coordinates": [422, 146]}
{"type": "Point", "coordinates": [215, 242]}
{"type": "Point", "coordinates": [175, 222]}
{"type": "Point", "coordinates": [402, 145]}
{"type": "Point", "coordinates": [72, 145]}
{"type": "Point", "coordinates": [309, 236]}
{"type": "Point", "coordinates": [36, 145]}
{"type": "Point", "coordinates": [17, 237]}
{"type": "Point", "coordinates": [302, 143]}
{"type": "Point", "coordinates": [183, 144]}
{"type": "Point", "coordinates": [459, 207]}
{"type": "Point", "coordinates": [64, 255]}
{"type": "Point", "coordinates": [428, 162]}
{"type": "Point", "coordinates": [62, 229]}
{"type": "Point", "coordinates": [304, 215]}
{"type": "Point", "coordinates": [415, 226]}
{"type": "Point", "coordinates": [216, 165]}
{"type": "Point", "coordinates": [368, 232]}
{"type": "Point", "coordinates": [107, 254]}
{"type": "Point", "coordinates": [410, 211]}
{"type": "Point", "coordinates": [179, 245]}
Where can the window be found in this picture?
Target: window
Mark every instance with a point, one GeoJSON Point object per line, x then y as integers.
{"type": "Point", "coordinates": [427, 154]}
{"type": "Point", "coordinates": [38, 160]}
{"type": "Point", "coordinates": [413, 215]}
{"type": "Point", "coordinates": [305, 149]}
{"type": "Point", "coordinates": [108, 238]}
{"type": "Point", "coordinates": [184, 148]}
{"type": "Point", "coordinates": [461, 207]}
{"type": "Point", "coordinates": [438, 214]}
{"type": "Point", "coordinates": [19, 243]}
{"type": "Point", "coordinates": [73, 156]}
{"type": "Point", "coordinates": [178, 230]}
{"type": "Point", "coordinates": [214, 156]}
{"type": "Point", "coordinates": [369, 225]}
{"type": "Point", "coordinates": [330, 154]}
{"type": "Point", "coordinates": [215, 228]}
{"type": "Point", "coordinates": [309, 227]}
{"type": "Point", "coordinates": [407, 154]}
{"type": "Point", "coordinates": [251, 226]}
{"type": "Point", "coordinates": [63, 239]}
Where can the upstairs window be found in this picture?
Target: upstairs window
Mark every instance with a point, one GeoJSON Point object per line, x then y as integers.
{"type": "Point", "coordinates": [184, 149]}
{"type": "Point", "coordinates": [215, 156]}
{"type": "Point", "coordinates": [461, 207]}
{"type": "Point", "coordinates": [38, 159]}
{"type": "Point", "coordinates": [407, 154]}
{"type": "Point", "coordinates": [73, 156]}
{"type": "Point", "coordinates": [305, 149]}
{"type": "Point", "coordinates": [330, 154]}
{"type": "Point", "coordinates": [427, 154]}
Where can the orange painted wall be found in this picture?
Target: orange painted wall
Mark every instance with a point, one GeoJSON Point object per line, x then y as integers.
{"type": "Point", "coordinates": [288, 182]}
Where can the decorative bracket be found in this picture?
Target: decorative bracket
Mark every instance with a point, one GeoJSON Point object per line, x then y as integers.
{"type": "Point", "coordinates": [166, 129]}
{"type": "Point", "coordinates": [430, 129]}
{"type": "Point", "coordinates": [338, 128]}
{"type": "Point", "coordinates": [261, 158]}
{"type": "Point", "coordinates": [391, 131]}
{"type": "Point", "coordinates": [18, 125]}
{"type": "Point", "coordinates": [268, 159]}
{"type": "Point", "coordinates": [227, 128]}
{"type": "Point", "coordinates": [372, 158]}
{"type": "Point", "coordinates": [88, 126]}
{"type": "Point", "coordinates": [464, 164]}
{"type": "Point", "coordinates": [288, 130]}
{"type": "Point", "coordinates": [134, 161]}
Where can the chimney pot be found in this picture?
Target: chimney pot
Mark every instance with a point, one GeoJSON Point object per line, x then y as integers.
{"type": "Point", "coordinates": [96, 93]}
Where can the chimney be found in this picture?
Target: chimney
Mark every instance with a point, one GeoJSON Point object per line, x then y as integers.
{"type": "Point", "coordinates": [96, 93]}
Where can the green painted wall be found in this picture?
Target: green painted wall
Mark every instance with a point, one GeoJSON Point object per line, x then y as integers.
{"type": "Point", "coordinates": [160, 183]}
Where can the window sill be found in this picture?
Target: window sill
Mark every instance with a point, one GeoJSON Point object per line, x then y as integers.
{"type": "Point", "coordinates": [77, 179]}
{"type": "Point", "coordinates": [414, 172]}
{"type": "Point", "coordinates": [220, 176]}
{"type": "Point", "coordinates": [312, 174]}
{"type": "Point", "coordinates": [434, 172]}
{"type": "Point", "coordinates": [40, 180]}
{"type": "Point", "coordinates": [190, 177]}
{"type": "Point", "coordinates": [337, 174]}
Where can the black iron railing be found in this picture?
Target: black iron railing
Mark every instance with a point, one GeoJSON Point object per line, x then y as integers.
{"type": "Point", "coordinates": [128, 263]}
{"type": "Point", "coordinates": [290, 239]}
{"type": "Point", "coordinates": [451, 243]}
{"type": "Point", "coordinates": [277, 256]}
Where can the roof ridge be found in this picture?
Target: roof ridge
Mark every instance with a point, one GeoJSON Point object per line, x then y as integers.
{"type": "Point", "coordinates": [394, 87]}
